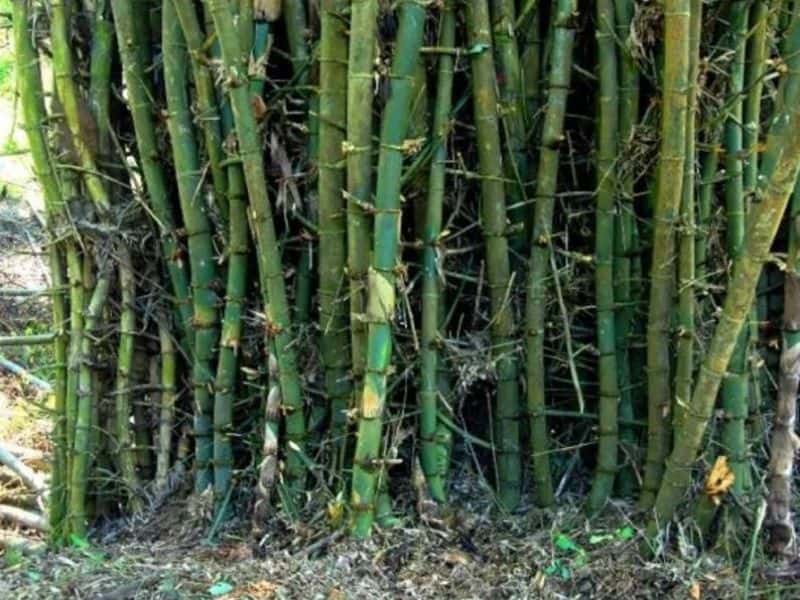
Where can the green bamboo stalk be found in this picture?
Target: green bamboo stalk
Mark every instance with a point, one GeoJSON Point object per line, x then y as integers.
{"type": "Point", "coordinates": [79, 481]}
{"type": "Point", "coordinates": [559, 76]}
{"type": "Point", "coordinates": [236, 289]}
{"type": "Point", "coordinates": [435, 452]}
{"type": "Point", "coordinates": [625, 226]}
{"type": "Point", "coordinates": [237, 250]}
{"type": "Point", "coordinates": [205, 324]}
{"type": "Point", "coordinates": [279, 324]}
{"type": "Point", "coordinates": [76, 115]}
{"type": "Point", "coordinates": [296, 22]}
{"type": "Point", "coordinates": [26, 340]}
{"type": "Point", "coordinates": [684, 368]}
{"type": "Point", "coordinates": [57, 500]}
{"type": "Point", "coordinates": [418, 131]}
{"type": "Point", "coordinates": [34, 114]}
{"type": "Point", "coordinates": [332, 218]}
{"type": "Point", "coordinates": [667, 203]}
{"type": "Point", "coordinates": [296, 19]}
{"type": "Point", "coordinates": [122, 395]}
{"type": "Point", "coordinates": [166, 408]}
{"type": "Point", "coordinates": [100, 76]}
{"type": "Point", "coordinates": [512, 112]}
{"type": "Point", "coordinates": [755, 70]}
{"type": "Point", "coordinates": [734, 400]}
{"type": "Point", "coordinates": [363, 26]}
{"type": "Point", "coordinates": [493, 216]}
{"type": "Point", "coordinates": [82, 138]}
{"type": "Point", "coordinates": [381, 276]}
{"type": "Point", "coordinates": [762, 226]}
{"type": "Point", "coordinates": [608, 129]}
{"type": "Point", "coordinates": [134, 50]}
{"type": "Point", "coordinates": [531, 67]}
{"type": "Point", "coordinates": [208, 113]}
{"type": "Point", "coordinates": [788, 92]}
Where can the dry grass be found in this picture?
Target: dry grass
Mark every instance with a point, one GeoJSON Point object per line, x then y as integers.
{"type": "Point", "coordinates": [469, 553]}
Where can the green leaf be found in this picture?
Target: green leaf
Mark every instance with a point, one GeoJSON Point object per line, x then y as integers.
{"type": "Point", "coordinates": [558, 569]}
{"type": "Point", "coordinates": [580, 560]}
{"type": "Point", "coordinates": [34, 576]}
{"type": "Point", "coordinates": [599, 538]}
{"type": "Point", "coordinates": [78, 542]}
{"type": "Point", "coordinates": [565, 544]}
{"type": "Point", "coordinates": [477, 49]}
{"type": "Point", "coordinates": [220, 588]}
{"type": "Point", "coordinates": [625, 533]}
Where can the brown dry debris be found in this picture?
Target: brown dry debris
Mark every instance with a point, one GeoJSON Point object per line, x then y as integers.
{"type": "Point", "coordinates": [486, 557]}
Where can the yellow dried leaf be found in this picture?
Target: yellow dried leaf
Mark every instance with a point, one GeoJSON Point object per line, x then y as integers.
{"type": "Point", "coordinates": [335, 512]}
{"type": "Point", "coordinates": [719, 480]}
{"type": "Point", "coordinates": [257, 590]}
{"type": "Point", "coordinates": [456, 557]}
{"type": "Point", "coordinates": [694, 591]}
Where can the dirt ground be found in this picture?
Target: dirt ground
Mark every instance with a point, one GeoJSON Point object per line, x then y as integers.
{"type": "Point", "coordinates": [554, 555]}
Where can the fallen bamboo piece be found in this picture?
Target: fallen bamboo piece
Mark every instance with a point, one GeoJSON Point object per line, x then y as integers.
{"type": "Point", "coordinates": [24, 374]}
{"type": "Point", "coordinates": [26, 340]}
{"type": "Point", "coordinates": [24, 518]}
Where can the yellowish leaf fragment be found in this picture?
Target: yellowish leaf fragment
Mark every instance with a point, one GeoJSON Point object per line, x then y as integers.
{"type": "Point", "coordinates": [719, 480]}
{"type": "Point", "coordinates": [694, 591]}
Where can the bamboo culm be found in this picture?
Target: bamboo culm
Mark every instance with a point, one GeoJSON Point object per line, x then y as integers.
{"type": "Point", "coordinates": [498, 266]}
{"type": "Point", "coordinates": [662, 270]}
{"type": "Point", "coordinates": [332, 218]}
{"type": "Point", "coordinates": [133, 51]}
{"type": "Point", "coordinates": [435, 436]}
{"type": "Point", "coordinates": [734, 394]}
{"type": "Point", "coordinates": [279, 324]}
{"type": "Point", "coordinates": [380, 306]}
{"type": "Point", "coordinates": [202, 266]}
{"type": "Point", "coordinates": [624, 257]}
{"type": "Point", "coordinates": [763, 223]}
{"type": "Point", "coordinates": [364, 14]}
{"type": "Point", "coordinates": [608, 127]}
{"type": "Point", "coordinates": [559, 78]}
{"type": "Point", "coordinates": [29, 87]}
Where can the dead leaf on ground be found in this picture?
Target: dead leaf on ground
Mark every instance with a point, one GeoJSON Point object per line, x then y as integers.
{"type": "Point", "coordinates": [455, 557]}
{"type": "Point", "coordinates": [255, 590]}
{"type": "Point", "coordinates": [694, 591]}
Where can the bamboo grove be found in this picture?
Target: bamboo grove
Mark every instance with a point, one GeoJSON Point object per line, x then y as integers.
{"type": "Point", "coordinates": [306, 253]}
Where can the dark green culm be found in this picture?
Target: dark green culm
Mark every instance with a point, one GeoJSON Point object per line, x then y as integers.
{"type": "Point", "coordinates": [498, 267]}
{"type": "Point", "coordinates": [434, 435]}
{"type": "Point", "coordinates": [539, 272]}
{"type": "Point", "coordinates": [332, 217]}
{"type": "Point", "coordinates": [202, 266]}
{"type": "Point", "coordinates": [608, 125]}
{"type": "Point", "coordinates": [430, 298]}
